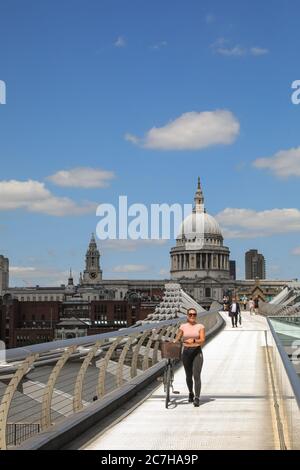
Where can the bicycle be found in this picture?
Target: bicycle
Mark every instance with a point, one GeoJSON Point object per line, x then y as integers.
{"type": "Point", "coordinates": [171, 352]}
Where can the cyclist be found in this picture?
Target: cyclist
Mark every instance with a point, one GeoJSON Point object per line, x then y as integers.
{"type": "Point", "coordinates": [193, 336]}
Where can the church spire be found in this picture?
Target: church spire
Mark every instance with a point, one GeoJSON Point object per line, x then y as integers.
{"type": "Point", "coordinates": [199, 198]}
{"type": "Point", "coordinates": [93, 241]}
{"type": "Point", "coordinates": [92, 273]}
{"type": "Point", "coordinates": [70, 280]}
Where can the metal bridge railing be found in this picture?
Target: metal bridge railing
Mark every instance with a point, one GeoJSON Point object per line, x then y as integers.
{"type": "Point", "coordinates": [42, 384]}
{"type": "Point", "coordinates": [288, 387]}
{"type": "Point", "coordinates": [273, 310]}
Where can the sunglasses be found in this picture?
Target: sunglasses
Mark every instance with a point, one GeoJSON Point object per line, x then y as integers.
{"type": "Point", "coordinates": [192, 314]}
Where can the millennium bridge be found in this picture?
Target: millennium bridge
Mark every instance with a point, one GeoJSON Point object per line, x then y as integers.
{"type": "Point", "coordinates": [106, 391]}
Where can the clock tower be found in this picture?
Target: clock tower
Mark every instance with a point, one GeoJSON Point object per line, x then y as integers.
{"type": "Point", "coordinates": [92, 273]}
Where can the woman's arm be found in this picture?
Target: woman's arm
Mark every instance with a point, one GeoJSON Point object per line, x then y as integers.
{"type": "Point", "coordinates": [178, 336]}
{"type": "Point", "coordinates": [201, 339]}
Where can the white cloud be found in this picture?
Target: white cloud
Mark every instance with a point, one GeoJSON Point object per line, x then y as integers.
{"type": "Point", "coordinates": [130, 268]}
{"type": "Point", "coordinates": [247, 223]}
{"type": "Point", "coordinates": [131, 138]}
{"type": "Point", "coordinates": [223, 47]}
{"type": "Point", "coordinates": [236, 51]}
{"type": "Point", "coordinates": [192, 131]}
{"type": "Point", "coordinates": [120, 42]}
{"type": "Point", "coordinates": [296, 251]}
{"type": "Point", "coordinates": [21, 270]}
{"type": "Point", "coordinates": [32, 276]}
{"type": "Point", "coordinates": [159, 45]}
{"type": "Point", "coordinates": [82, 177]}
{"type": "Point", "coordinates": [284, 163]}
{"type": "Point", "coordinates": [257, 51]}
{"type": "Point", "coordinates": [33, 196]}
{"type": "Point", "coordinates": [62, 206]}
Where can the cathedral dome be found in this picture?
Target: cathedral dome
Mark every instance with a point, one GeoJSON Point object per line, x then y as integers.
{"type": "Point", "coordinates": [199, 225]}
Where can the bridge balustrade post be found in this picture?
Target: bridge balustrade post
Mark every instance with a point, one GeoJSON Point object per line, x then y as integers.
{"type": "Point", "coordinates": [174, 331]}
{"type": "Point", "coordinates": [103, 367]}
{"type": "Point", "coordinates": [169, 332]}
{"type": "Point", "coordinates": [77, 400]}
{"type": "Point", "coordinates": [133, 371]}
{"type": "Point", "coordinates": [147, 350]}
{"type": "Point", "coordinates": [48, 393]}
{"type": "Point", "coordinates": [122, 359]}
{"type": "Point", "coordinates": [8, 396]}
{"type": "Point", "coordinates": [157, 343]}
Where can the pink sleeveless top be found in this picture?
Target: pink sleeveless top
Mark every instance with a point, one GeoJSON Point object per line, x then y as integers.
{"type": "Point", "coordinates": [191, 331]}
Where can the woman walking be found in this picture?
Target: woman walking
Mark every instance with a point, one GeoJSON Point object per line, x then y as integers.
{"type": "Point", "coordinates": [193, 336]}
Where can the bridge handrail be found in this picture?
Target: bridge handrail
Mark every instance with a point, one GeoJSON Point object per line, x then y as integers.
{"type": "Point", "coordinates": [289, 368]}
{"type": "Point", "coordinates": [46, 383]}
{"type": "Point", "coordinates": [20, 353]}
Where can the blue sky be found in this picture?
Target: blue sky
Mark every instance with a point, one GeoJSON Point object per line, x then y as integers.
{"type": "Point", "coordinates": [82, 75]}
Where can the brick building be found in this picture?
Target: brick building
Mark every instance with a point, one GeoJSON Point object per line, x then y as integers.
{"type": "Point", "coordinates": [28, 322]}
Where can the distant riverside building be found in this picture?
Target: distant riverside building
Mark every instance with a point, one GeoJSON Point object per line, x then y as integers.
{"type": "Point", "coordinates": [28, 322]}
{"type": "Point", "coordinates": [232, 269]}
{"type": "Point", "coordinates": [37, 314]}
{"type": "Point", "coordinates": [4, 274]}
{"type": "Point", "coordinates": [255, 265]}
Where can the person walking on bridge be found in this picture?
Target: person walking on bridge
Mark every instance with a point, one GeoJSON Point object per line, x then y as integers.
{"type": "Point", "coordinates": [251, 306]}
{"type": "Point", "coordinates": [192, 334]}
{"type": "Point", "coordinates": [234, 312]}
{"type": "Point", "coordinates": [256, 305]}
{"type": "Point", "coordinates": [226, 303]}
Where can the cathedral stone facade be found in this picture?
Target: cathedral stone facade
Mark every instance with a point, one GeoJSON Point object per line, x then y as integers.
{"type": "Point", "coordinates": [200, 261]}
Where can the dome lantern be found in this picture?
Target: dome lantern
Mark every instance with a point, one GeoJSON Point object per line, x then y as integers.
{"type": "Point", "coordinates": [199, 198]}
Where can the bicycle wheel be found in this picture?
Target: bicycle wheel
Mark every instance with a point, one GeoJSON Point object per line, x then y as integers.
{"type": "Point", "coordinates": [168, 373]}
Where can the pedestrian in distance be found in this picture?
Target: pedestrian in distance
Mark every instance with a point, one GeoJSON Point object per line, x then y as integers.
{"type": "Point", "coordinates": [256, 305]}
{"type": "Point", "coordinates": [226, 303]}
{"type": "Point", "coordinates": [251, 306]}
{"type": "Point", "coordinates": [234, 312]}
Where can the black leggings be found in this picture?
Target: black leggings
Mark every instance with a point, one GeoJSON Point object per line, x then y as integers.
{"type": "Point", "coordinates": [192, 359]}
